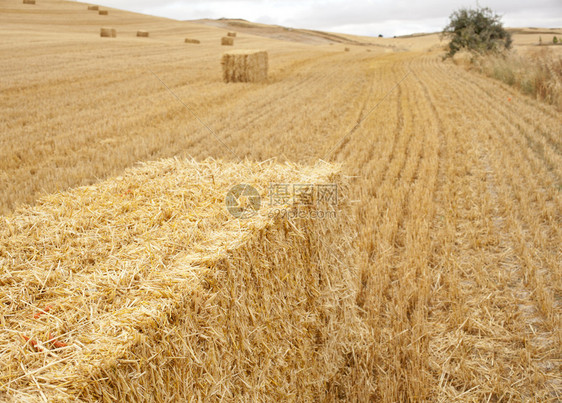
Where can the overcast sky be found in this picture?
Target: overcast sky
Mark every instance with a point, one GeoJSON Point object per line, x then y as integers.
{"type": "Point", "coordinates": [361, 17]}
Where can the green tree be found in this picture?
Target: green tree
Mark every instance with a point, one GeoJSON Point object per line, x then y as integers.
{"type": "Point", "coordinates": [555, 40]}
{"type": "Point", "coordinates": [476, 30]}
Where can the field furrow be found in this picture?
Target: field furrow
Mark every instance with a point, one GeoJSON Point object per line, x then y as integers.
{"type": "Point", "coordinates": [505, 268]}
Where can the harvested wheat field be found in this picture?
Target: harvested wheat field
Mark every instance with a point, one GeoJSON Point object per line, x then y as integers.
{"type": "Point", "coordinates": [439, 278]}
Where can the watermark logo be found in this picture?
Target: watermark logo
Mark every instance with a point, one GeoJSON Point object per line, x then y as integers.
{"type": "Point", "coordinates": [303, 194]}
{"type": "Point", "coordinates": [285, 200]}
{"type": "Point", "coordinates": [243, 201]}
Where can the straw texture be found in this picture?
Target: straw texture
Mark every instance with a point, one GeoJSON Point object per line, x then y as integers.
{"type": "Point", "coordinates": [144, 287]}
{"type": "Point", "coordinates": [245, 66]}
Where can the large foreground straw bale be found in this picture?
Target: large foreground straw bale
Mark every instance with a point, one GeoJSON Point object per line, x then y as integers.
{"type": "Point", "coordinates": [245, 66]}
{"type": "Point", "coordinates": [227, 41]}
{"type": "Point", "coordinates": [108, 32]}
{"type": "Point", "coordinates": [144, 287]}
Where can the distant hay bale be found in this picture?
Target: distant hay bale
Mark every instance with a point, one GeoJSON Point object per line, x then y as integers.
{"type": "Point", "coordinates": [103, 12]}
{"type": "Point", "coordinates": [93, 8]}
{"type": "Point", "coordinates": [368, 50]}
{"type": "Point", "coordinates": [227, 41]}
{"type": "Point", "coordinates": [143, 34]}
{"type": "Point", "coordinates": [28, 1]}
{"type": "Point", "coordinates": [108, 33]}
{"type": "Point", "coordinates": [245, 66]}
{"type": "Point", "coordinates": [189, 40]}
{"type": "Point", "coordinates": [232, 34]}
{"type": "Point", "coordinates": [347, 49]}
{"type": "Point", "coordinates": [144, 286]}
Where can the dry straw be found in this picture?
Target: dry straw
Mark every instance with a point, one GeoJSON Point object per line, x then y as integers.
{"type": "Point", "coordinates": [232, 34]}
{"type": "Point", "coordinates": [93, 8]}
{"type": "Point", "coordinates": [189, 40]}
{"type": "Point", "coordinates": [103, 12]}
{"type": "Point", "coordinates": [28, 1]}
{"type": "Point", "coordinates": [227, 41]}
{"type": "Point", "coordinates": [245, 66]}
{"type": "Point", "coordinates": [143, 34]}
{"type": "Point", "coordinates": [108, 33]}
{"type": "Point", "coordinates": [145, 287]}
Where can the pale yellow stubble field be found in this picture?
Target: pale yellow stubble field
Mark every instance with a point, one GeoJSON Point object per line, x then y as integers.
{"type": "Point", "coordinates": [456, 177]}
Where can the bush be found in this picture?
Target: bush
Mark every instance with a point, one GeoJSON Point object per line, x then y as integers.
{"type": "Point", "coordinates": [478, 31]}
{"type": "Point", "coordinates": [538, 74]}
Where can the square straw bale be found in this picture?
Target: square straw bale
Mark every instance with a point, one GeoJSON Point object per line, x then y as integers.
{"type": "Point", "coordinates": [245, 66]}
{"type": "Point", "coordinates": [227, 41]}
{"type": "Point", "coordinates": [108, 32]}
{"type": "Point", "coordinates": [145, 287]}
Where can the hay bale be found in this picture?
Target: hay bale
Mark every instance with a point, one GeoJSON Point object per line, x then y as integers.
{"type": "Point", "coordinates": [245, 66]}
{"type": "Point", "coordinates": [231, 34]}
{"type": "Point", "coordinates": [93, 8]}
{"type": "Point", "coordinates": [103, 12]}
{"type": "Point", "coordinates": [188, 40]}
{"type": "Point", "coordinates": [227, 41]}
{"type": "Point", "coordinates": [347, 49]}
{"type": "Point", "coordinates": [28, 1]}
{"type": "Point", "coordinates": [368, 50]}
{"type": "Point", "coordinates": [108, 32]}
{"type": "Point", "coordinates": [143, 34]}
{"type": "Point", "coordinates": [144, 285]}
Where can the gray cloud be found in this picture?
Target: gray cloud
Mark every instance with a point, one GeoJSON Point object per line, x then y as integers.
{"type": "Point", "coordinates": [365, 17]}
